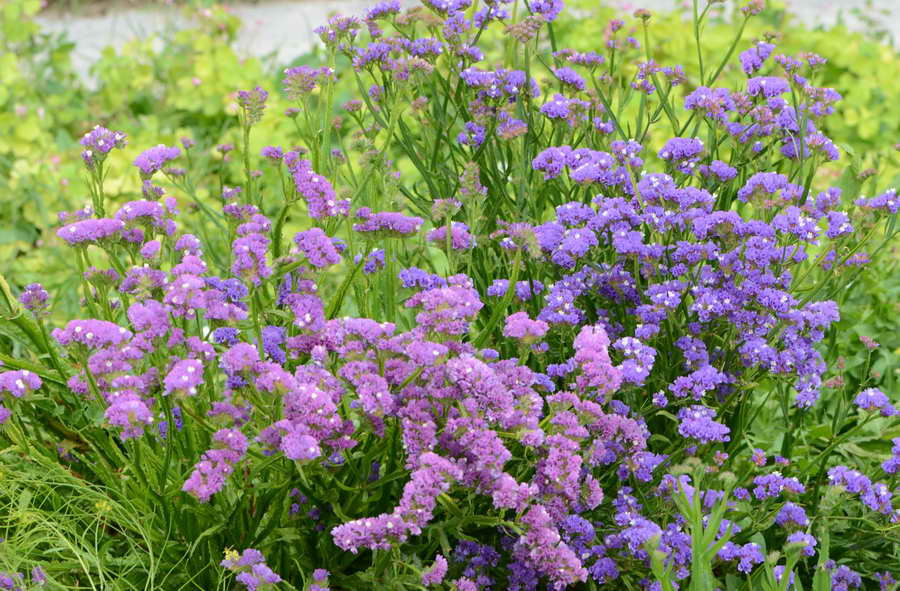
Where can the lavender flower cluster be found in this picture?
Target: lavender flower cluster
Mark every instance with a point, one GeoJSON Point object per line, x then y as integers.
{"type": "Point", "coordinates": [562, 355]}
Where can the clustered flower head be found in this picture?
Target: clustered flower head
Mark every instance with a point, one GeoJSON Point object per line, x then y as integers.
{"type": "Point", "coordinates": [98, 143]}
{"type": "Point", "coordinates": [252, 103]}
{"type": "Point", "coordinates": [151, 161]}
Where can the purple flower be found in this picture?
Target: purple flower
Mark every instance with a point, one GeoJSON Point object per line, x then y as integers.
{"type": "Point", "coordinates": [561, 107]}
{"type": "Point", "coordinates": [772, 485]}
{"type": "Point", "coordinates": [308, 310]}
{"type": "Point", "coordinates": [91, 231]}
{"type": "Point", "coordinates": [388, 223]}
{"type": "Point", "coordinates": [216, 465]}
{"type": "Point", "coordinates": [592, 356]}
{"type": "Point", "coordinates": [318, 248]}
{"type": "Point", "coordinates": [301, 81]}
{"type": "Point", "coordinates": [838, 224]}
{"type": "Point", "coordinates": [887, 201]}
{"type": "Point", "coordinates": [184, 377]}
{"type": "Point", "coordinates": [98, 142]}
{"type": "Point", "coordinates": [519, 326]}
{"type": "Point", "coordinates": [473, 135]}
{"type": "Point", "coordinates": [752, 59]}
{"type": "Point", "coordinates": [767, 86]}
{"type": "Point", "coordinates": [568, 77]}
{"type": "Point", "coordinates": [35, 298]}
{"type": "Point", "coordinates": [792, 516]}
{"type": "Point", "coordinates": [718, 169]}
{"type": "Point", "coordinates": [416, 278]}
{"type": "Point", "coordinates": [804, 540]}
{"type": "Point", "coordinates": [315, 189]}
{"type": "Point", "coordinates": [552, 161]}
{"type": "Point", "coordinates": [683, 152]}
{"type": "Point", "coordinates": [251, 568]}
{"type": "Point", "coordinates": [374, 261]}
{"type": "Point", "coordinates": [549, 9]}
{"type": "Point", "coordinates": [434, 574]}
{"type": "Point", "coordinates": [460, 239]}
{"type": "Point", "coordinates": [129, 412]}
{"type": "Point", "coordinates": [91, 333]}
{"type": "Point", "coordinates": [892, 466]}
{"type": "Point", "coordinates": [249, 254]}
{"type": "Point", "coordinates": [638, 360]}
{"type": "Point", "coordinates": [152, 160]}
{"type": "Point", "coordinates": [843, 578]}
{"type": "Point", "coordinates": [252, 103]}
{"type": "Point", "coordinates": [875, 399]}
{"type": "Point", "coordinates": [713, 102]}
{"type": "Point", "coordinates": [697, 423]}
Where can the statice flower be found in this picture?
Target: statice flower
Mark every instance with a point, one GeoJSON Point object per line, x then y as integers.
{"type": "Point", "coordinates": [519, 326]}
{"type": "Point", "coordinates": [892, 465]}
{"type": "Point", "coordinates": [319, 249]}
{"type": "Point", "coordinates": [718, 170]}
{"type": "Point", "coordinates": [875, 399]}
{"type": "Point", "coordinates": [767, 86]}
{"type": "Point", "coordinates": [804, 540]}
{"type": "Point", "coordinates": [747, 556]}
{"type": "Point", "coordinates": [542, 546]}
{"type": "Point", "coordinates": [684, 153]}
{"type": "Point", "coordinates": [387, 224]}
{"type": "Point", "coordinates": [98, 142]}
{"type": "Point", "coordinates": [252, 103]}
{"type": "Point", "coordinates": [302, 80]}
{"type": "Point", "coordinates": [448, 309]}
{"type": "Point", "coordinates": [524, 290]}
{"type": "Point", "coordinates": [638, 360]}
{"type": "Point", "coordinates": [697, 423]}
{"type": "Point", "coordinates": [887, 201]}
{"type": "Point", "coordinates": [473, 135]}
{"type": "Point", "coordinates": [251, 569]}
{"type": "Point", "coordinates": [17, 384]}
{"type": "Point", "coordinates": [91, 334]}
{"type": "Point", "coordinates": [318, 191]}
{"type": "Point", "coordinates": [548, 9]}
{"type": "Point", "coordinates": [754, 58]}
{"type": "Point", "coordinates": [217, 464]}
{"type": "Point", "coordinates": [712, 102]}
{"type": "Point", "coordinates": [568, 77]}
{"type": "Point", "coordinates": [434, 575]}
{"type": "Point", "coordinates": [592, 356]}
{"type": "Point", "coordinates": [91, 231]}
{"type": "Point", "coordinates": [128, 411]}
{"type": "Point", "coordinates": [772, 485]}
{"type": "Point", "coordinates": [843, 578]}
{"type": "Point", "coordinates": [184, 377]}
{"type": "Point", "coordinates": [767, 184]}
{"type": "Point", "coordinates": [792, 516]}
{"type": "Point", "coordinates": [35, 298]}
{"type": "Point", "coordinates": [416, 278]}
{"type": "Point", "coordinates": [552, 161]}
{"type": "Point", "coordinates": [876, 496]}
{"type": "Point", "coordinates": [563, 108]}
{"type": "Point", "coordinates": [432, 478]}
{"type": "Point", "coordinates": [308, 310]}
{"type": "Point", "coordinates": [460, 238]}
{"type": "Point", "coordinates": [151, 161]}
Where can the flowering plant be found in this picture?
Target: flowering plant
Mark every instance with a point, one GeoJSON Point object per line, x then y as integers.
{"type": "Point", "coordinates": [599, 287]}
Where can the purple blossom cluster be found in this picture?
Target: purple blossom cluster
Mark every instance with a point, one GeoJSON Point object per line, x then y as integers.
{"type": "Point", "coordinates": [572, 387]}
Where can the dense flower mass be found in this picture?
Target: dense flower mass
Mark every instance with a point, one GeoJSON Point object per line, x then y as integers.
{"type": "Point", "coordinates": [505, 320]}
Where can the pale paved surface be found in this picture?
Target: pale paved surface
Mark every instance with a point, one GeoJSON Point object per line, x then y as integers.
{"type": "Point", "coordinates": [283, 30]}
